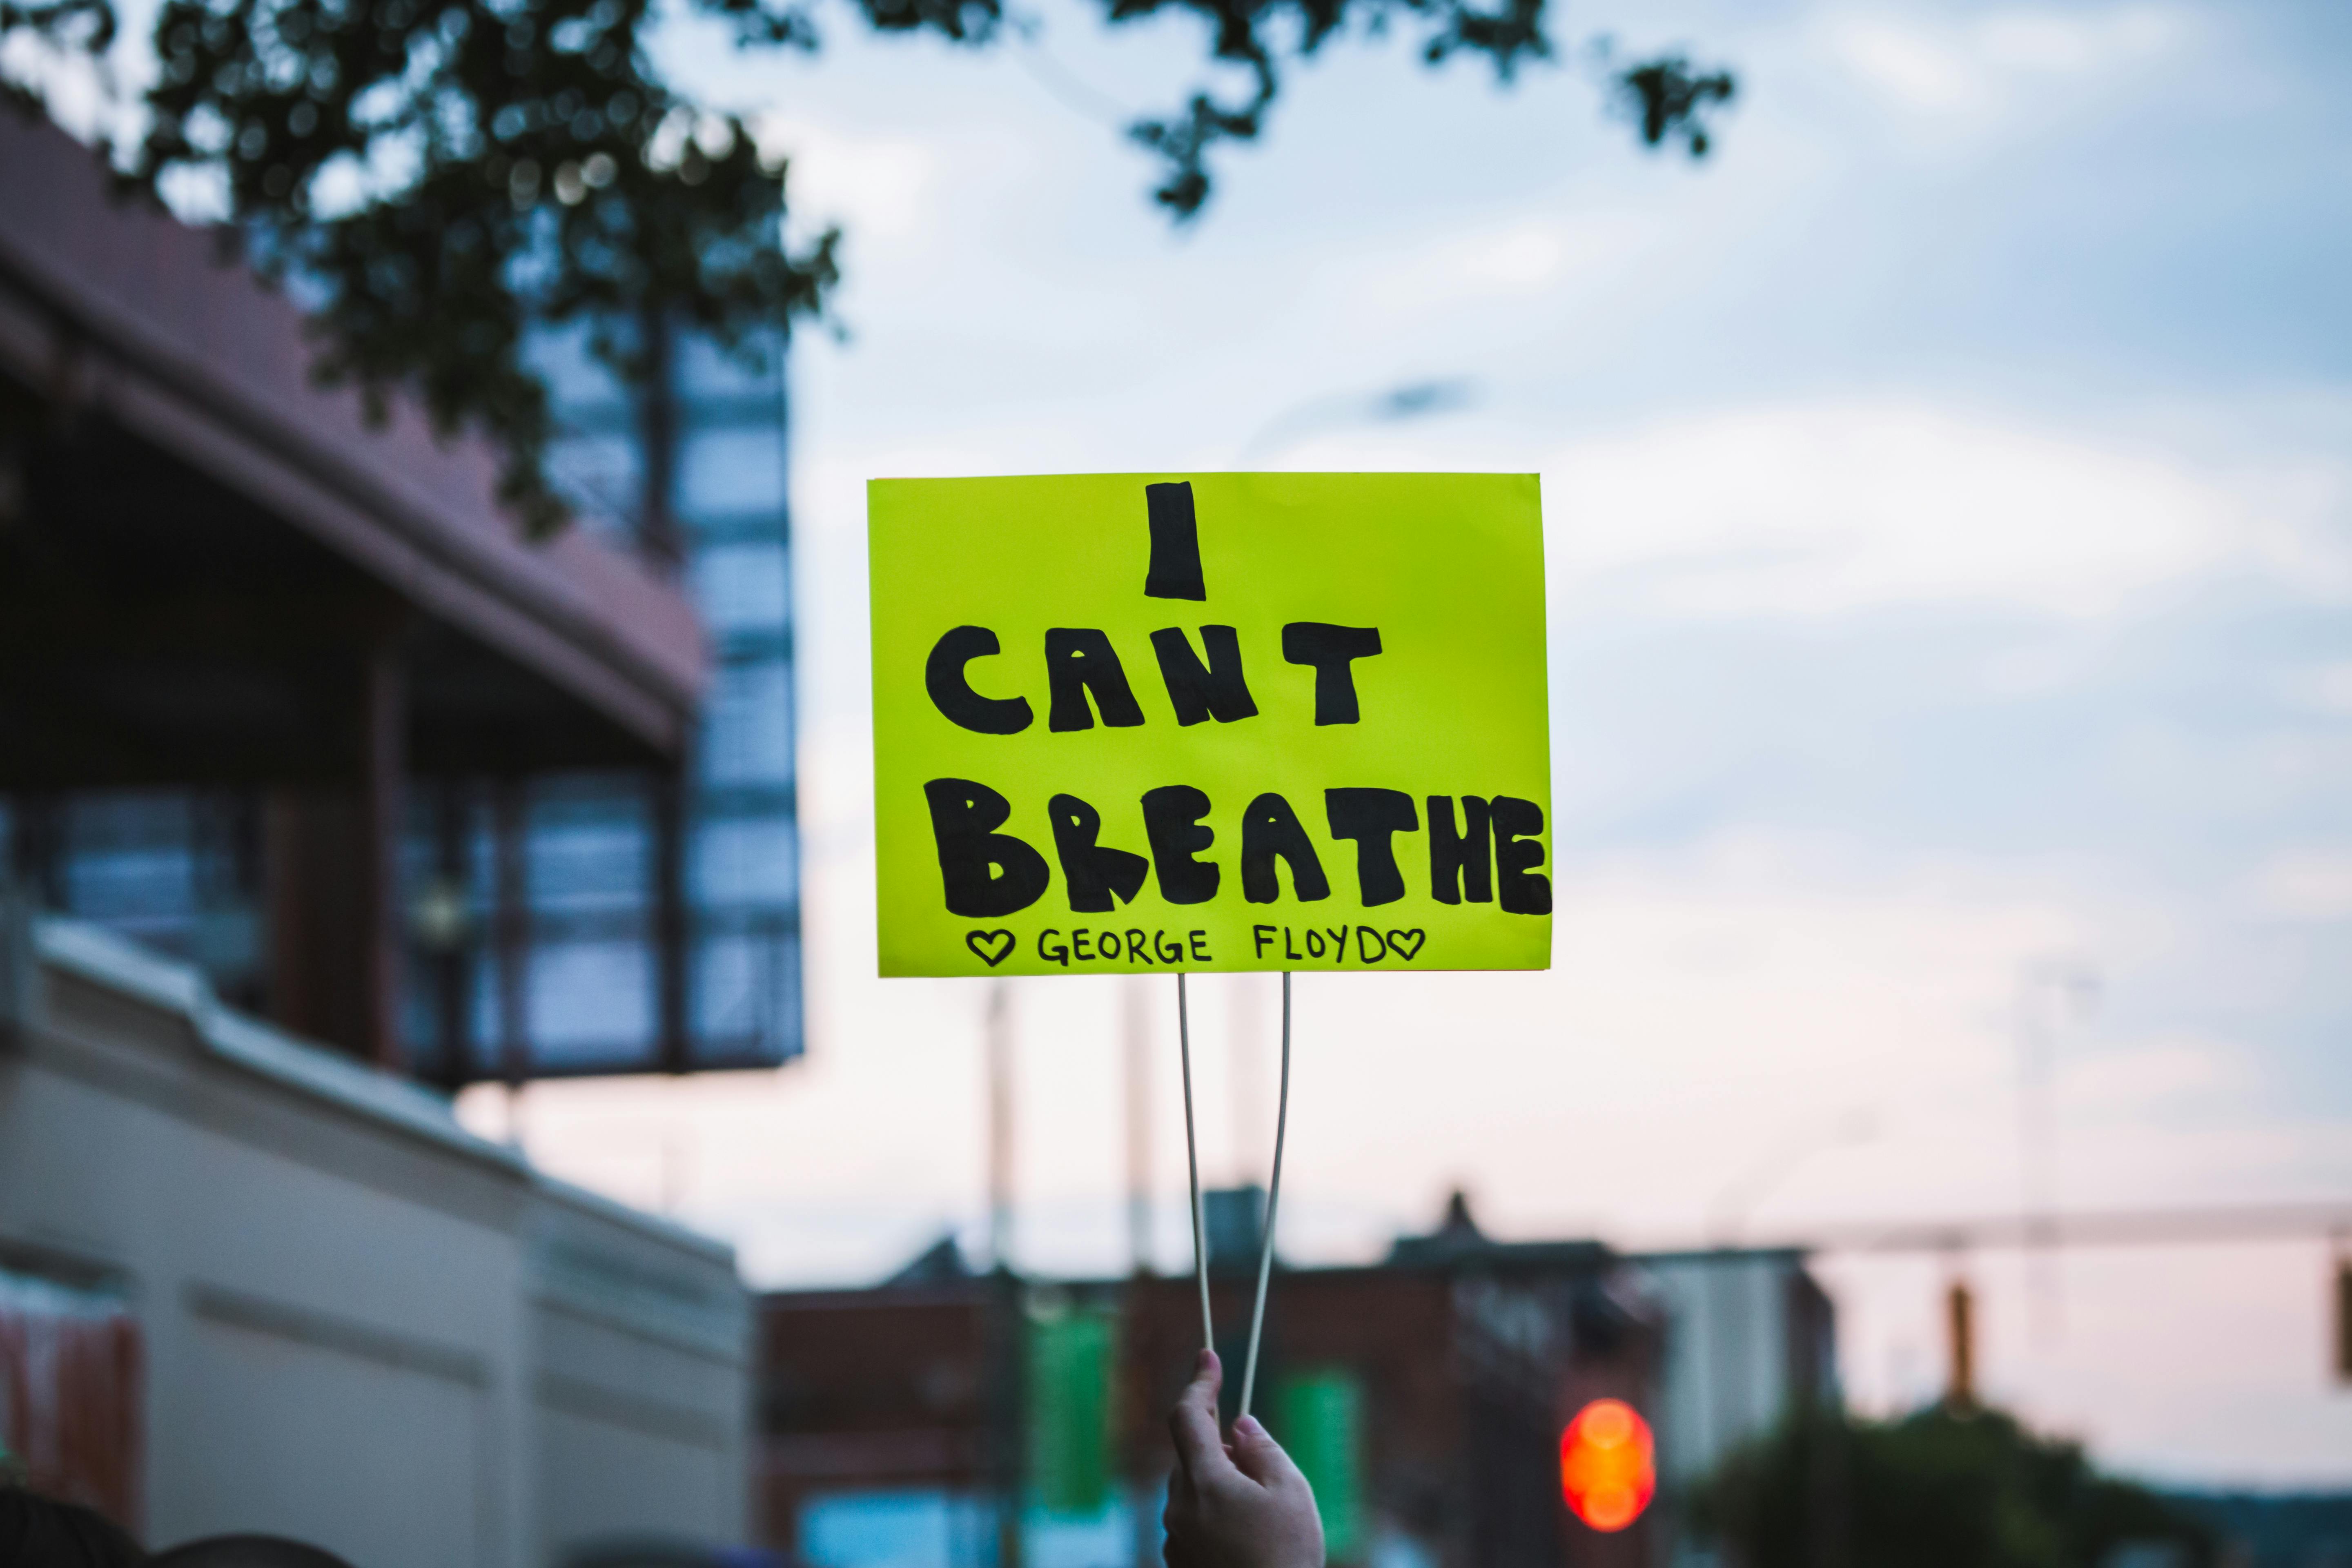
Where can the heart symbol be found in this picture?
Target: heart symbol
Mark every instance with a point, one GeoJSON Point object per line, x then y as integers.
{"type": "Point", "coordinates": [1397, 942]}
{"type": "Point", "coordinates": [991, 947]}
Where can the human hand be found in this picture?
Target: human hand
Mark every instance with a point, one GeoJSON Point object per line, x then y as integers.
{"type": "Point", "coordinates": [1238, 1505]}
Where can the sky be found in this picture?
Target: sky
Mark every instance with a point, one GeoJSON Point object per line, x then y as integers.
{"type": "Point", "coordinates": [1948, 507]}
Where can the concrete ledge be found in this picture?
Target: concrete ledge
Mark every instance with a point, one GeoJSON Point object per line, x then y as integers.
{"type": "Point", "coordinates": [104, 959]}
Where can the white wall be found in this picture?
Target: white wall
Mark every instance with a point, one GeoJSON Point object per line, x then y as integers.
{"type": "Point", "coordinates": [1728, 1377]}
{"type": "Point", "coordinates": [363, 1326]}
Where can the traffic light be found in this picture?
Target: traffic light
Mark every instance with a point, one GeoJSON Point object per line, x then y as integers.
{"type": "Point", "coordinates": [1608, 1465]}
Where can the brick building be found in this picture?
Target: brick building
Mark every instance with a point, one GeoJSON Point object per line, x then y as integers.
{"type": "Point", "coordinates": [1424, 1396]}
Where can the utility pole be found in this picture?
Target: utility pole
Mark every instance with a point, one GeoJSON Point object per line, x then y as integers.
{"type": "Point", "coordinates": [2048, 991]}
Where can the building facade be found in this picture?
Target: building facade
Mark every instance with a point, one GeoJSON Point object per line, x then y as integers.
{"type": "Point", "coordinates": [945, 1420]}
{"type": "Point", "coordinates": [250, 1286]}
{"type": "Point", "coordinates": [291, 708]}
{"type": "Point", "coordinates": [557, 899]}
{"type": "Point", "coordinates": [948, 1419]}
{"type": "Point", "coordinates": [1751, 1344]}
{"type": "Point", "coordinates": [226, 573]}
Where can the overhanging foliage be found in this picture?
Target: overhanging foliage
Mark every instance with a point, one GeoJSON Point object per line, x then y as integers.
{"type": "Point", "coordinates": [442, 176]}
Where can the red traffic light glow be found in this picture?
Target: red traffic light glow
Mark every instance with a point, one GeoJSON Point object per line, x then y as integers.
{"type": "Point", "coordinates": [1608, 1470]}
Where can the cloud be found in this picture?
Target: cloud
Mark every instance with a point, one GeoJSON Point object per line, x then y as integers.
{"type": "Point", "coordinates": [1530, 256]}
{"type": "Point", "coordinates": [2133, 1080]}
{"type": "Point", "coordinates": [882, 187]}
{"type": "Point", "coordinates": [1797, 511]}
{"type": "Point", "coordinates": [1911, 67]}
{"type": "Point", "coordinates": [2323, 688]}
{"type": "Point", "coordinates": [1979, 64]}
{"type": "Point", "coordinates": [2311, 884]}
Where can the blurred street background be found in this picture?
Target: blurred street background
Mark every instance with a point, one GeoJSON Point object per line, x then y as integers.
{"type": "Point", "coordinates": [1948, 499]}
{"type": "Point", "coordinates": [1946, 488]}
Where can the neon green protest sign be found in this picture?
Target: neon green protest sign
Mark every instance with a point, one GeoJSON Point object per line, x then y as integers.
{"type": "Point", "coordinates": [1128, 723]}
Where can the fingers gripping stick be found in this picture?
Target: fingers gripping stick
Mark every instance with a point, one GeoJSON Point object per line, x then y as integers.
{"type": "Point", "coordinates": [1238, 1504]}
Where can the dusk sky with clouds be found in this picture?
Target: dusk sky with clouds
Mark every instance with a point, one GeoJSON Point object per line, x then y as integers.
{"type": "Point", "coordinates": [1948, 496]}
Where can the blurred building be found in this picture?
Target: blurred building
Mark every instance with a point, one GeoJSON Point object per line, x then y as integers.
{"type": "Point", "coordinates": [325, 758]}
{"type": "Point", "coordinates": [1751, 1342]}
{"type": "Point", "coordinates": [1425, 1398]}
{"type": "Point", "coordinates": [314, 716]}
{"type": "Point", "coordinates": [246, 1285]}
{"type": "Point", "coordinates": [648, 919]}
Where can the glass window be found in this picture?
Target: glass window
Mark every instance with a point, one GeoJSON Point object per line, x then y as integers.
{"type": "Point", "coordinates": [132, 885]}
{"type": "Point", "coordinates": [482, 1036]}
{"type": "Point", "coordinates": [589, 848]}
{"type": "Point", "coordinates": [129, 864]}
{"type": "Point", "coordinates": [574, 374]}
{"type": "Point", "coordinates": [746, 991]}
{"type": "Point", "coordinates": [737, 468]}
{"type": "Point", "coordinates": [749, 740]}
{"type": "Point", "coordinates": [420, 1023]}
{"type": "Point", "coordinates": [601, 476]}
{"type": "Point", "coordinates": [589, 973]}
{"type": "Point", "coordinates": [591, 999]}
{"type": "Point", "coordinates": [744, 587]}
{"type": "Point", "coordinates": [749, 860]}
